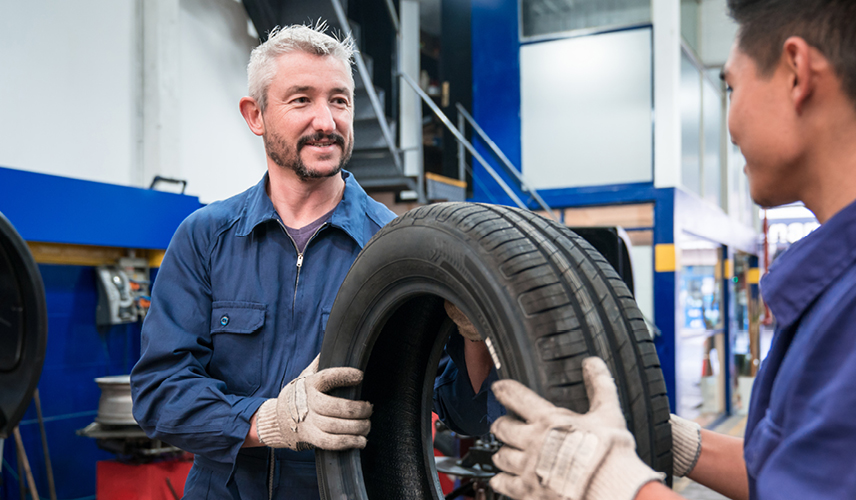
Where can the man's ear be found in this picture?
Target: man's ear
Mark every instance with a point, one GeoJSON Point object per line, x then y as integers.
{"type": "Point", "coordinates": [799, 58]}
{"type": "Point", "coordinates": [252, 114]}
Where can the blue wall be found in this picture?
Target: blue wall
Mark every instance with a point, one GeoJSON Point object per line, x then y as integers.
{"type": "Point", "coordinates": [496, 90]}
{"type": "Point", "coordinates": [53, 209]}
{"type": "Point", "coordinates": [76, 354]}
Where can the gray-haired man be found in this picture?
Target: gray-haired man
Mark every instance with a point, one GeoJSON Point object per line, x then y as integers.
{"type": "Point", "coordinates": [242, 298]}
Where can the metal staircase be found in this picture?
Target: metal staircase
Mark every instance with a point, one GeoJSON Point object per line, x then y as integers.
{"type": "Point", "coordinates": [377, 160]}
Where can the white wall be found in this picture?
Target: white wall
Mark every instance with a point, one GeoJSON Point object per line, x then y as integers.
{"type": "Point", "coordinates": [73, 93]}
{"type": "Point", "coordinates": [586, 109]}
{"type": "Point", "coordinates": [219, 154]}
{"type": "Point", "coordinates": [68, 88]}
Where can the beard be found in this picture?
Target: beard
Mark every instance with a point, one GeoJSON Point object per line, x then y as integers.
{"type": "Point", "coordinates": [287, 157]}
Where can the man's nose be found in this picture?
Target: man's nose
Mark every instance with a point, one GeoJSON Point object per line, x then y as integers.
{"type": "Point", "coordinates": [322, 119]}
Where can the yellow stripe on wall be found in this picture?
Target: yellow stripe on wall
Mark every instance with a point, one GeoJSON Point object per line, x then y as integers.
{"type": "Point", "coordinates": [88, 255]}
{"type": "Point", "coordinates": [664, 258]}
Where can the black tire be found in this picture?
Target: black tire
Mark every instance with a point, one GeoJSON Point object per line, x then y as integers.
{"type": "Point", "coordinates": [23, 327]}
{"type": "Point", "coordinates": [544, 297]}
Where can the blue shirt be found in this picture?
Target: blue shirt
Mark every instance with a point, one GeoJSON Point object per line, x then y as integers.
{"type": "Point", "coordinates": [455, 402]}
{"type": "Point", "coordinates": [236, 315]}
{"type": "Point", "coordinates": [801, 430]}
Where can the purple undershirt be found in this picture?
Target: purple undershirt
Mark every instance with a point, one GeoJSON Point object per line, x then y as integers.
{"type": "Point", "coordinates": [301, 236]}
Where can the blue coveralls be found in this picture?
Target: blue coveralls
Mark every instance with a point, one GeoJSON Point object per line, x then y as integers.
{"type": "Point", "coordinates": [233, 319]}
{"type": "Point", "coordinates": [801, 429]}
{"type": "Point", "coordinates": [458, 406]}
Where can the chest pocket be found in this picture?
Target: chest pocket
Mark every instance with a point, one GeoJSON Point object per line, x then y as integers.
{"type": "Point", "coordinates": [764, 440]}
{"type": "Point", "coordinates": [238, 344]}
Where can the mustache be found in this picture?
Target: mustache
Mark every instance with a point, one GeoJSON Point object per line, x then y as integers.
{"type": "Point", "coordinates": [320, 136]}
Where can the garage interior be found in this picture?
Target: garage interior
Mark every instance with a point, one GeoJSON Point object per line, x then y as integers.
{"type": "Point", "coordinates": [120, 119]}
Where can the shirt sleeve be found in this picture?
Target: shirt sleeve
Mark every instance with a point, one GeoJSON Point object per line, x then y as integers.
{"type": "Point", "coordinates": [175, 398]}
{"type": "Point", "coordinates": [455, 402]}
{"type": "Point", "coordinates": [812, 445]}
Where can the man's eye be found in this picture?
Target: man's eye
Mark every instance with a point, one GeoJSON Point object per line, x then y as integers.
{"type": "Point", "coordinates": [300, 100]}
{"type": "Point", "coordinates": [728, 89]}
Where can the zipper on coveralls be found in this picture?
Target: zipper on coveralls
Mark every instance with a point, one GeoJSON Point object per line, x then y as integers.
{"type": "Point", "coordinates": [272, 460]}
{"type": "Point", "coordinates": [299, 256]}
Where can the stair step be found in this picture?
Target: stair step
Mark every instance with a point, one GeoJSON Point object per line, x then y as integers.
{"type": "Point", "coordinates": [356, 32]}
{"type": "Point", "coordinates": [369, 135]}
{"type": "Point", "coordinates": [358, 82]}
{"type": "Point", "coordinates": [363, 109]}
{"type": "Point", "coordinates": [375, 170]}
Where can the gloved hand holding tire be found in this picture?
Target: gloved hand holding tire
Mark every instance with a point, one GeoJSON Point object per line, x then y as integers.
{"type": "Point", "coordinates": [304, 416]}
{"type": "Point", "coordinates": [555, 453]}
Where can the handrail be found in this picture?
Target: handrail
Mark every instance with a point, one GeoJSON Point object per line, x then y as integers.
{"type": "Point", "coordinates": [370, 90]}
{"type": "Point", "coordinates": [393, 16]}
{"type": "Point", "coordinates": [504, 159]}
{"type": "Point", "coordinates": [463, 140]}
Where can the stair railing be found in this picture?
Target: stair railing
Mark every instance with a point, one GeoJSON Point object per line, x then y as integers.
{"type": "Point", "coordinates": [363, 72]}
{"type": "Point", "coordinates": [525, 186]}
{"type": "Point", "coordinates": [463, 140]}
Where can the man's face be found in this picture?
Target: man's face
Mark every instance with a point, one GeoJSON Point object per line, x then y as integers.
{"type": "Point", "coordinates": [310, 113]}
{"type": "Point", "coordinates": [762, 121]}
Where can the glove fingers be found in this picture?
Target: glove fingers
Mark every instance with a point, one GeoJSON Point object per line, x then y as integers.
{"type": "Point", "coordinates": [512, 431]}
{"type": "Point", "coordinates": [324, 404]}
{"type": "Point", "coordinates": [336, 442]}
{"type": "Point", "coordinates": [342, 426]}
{"type": "Point", "coordinates": [520, 399]}
{"type": "Point", "coordinates": [510, 460]}
{"type": "Point", "coordinates": [331, 378]}
{"type": "Point", "coordinates": [600, 388]}
{"type": "Point", "coordinates": [509, 485]}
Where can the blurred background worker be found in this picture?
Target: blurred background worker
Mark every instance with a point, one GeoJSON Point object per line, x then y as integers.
{"type": "Point", "coordinates": [792, 82]}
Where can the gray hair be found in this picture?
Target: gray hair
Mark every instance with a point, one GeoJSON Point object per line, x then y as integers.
{"type": "Point", "coordinates": [310, 39]}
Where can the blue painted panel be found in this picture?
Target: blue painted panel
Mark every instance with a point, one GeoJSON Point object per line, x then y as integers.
{"type": "Point", "coordinates": [665, 297]}
{"type": "Point", "coordinates": [496, 89]}
{"type": "Point", "coordinates": [76, 354]}
{"type": "Point", "coordinates": [599, 195]}
{"type": "Point", "coordinates": [56, 209]}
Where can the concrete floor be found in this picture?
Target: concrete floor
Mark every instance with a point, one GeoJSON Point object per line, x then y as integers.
{"type": "Point", "coordinates": [733, 426]}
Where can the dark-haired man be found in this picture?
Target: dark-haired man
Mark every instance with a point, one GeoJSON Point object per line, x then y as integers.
{"type": "Point", "coordinates": [792, 81]}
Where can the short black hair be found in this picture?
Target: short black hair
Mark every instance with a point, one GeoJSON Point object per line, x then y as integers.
{"type": "Point", "coordinates": [827, 25]}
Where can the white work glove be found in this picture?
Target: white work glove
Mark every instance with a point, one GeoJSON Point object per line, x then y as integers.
{"type": "Point", "coordinates": [303, 416]}
{"type": "Point", "coordinates": [552, 453]}
{"type": "Point", "coordinates": [465, 326]}
{"type": "Point", "coordinates": [686, 445]}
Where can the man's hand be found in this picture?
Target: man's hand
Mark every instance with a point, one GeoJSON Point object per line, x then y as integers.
{"type": "Point", "coordinates": [304, 416]}
{"type": "Point", "coordinates": [552, 453]}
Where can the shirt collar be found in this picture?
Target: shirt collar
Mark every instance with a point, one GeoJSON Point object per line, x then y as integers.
{"type": "Point", "coordinates": [349, 215]}
{"type": "Point", "coordinates": [809, 266]}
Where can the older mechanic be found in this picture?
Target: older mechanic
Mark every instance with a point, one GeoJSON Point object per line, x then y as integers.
{"type": "Point", "coordinates": [242, 298]}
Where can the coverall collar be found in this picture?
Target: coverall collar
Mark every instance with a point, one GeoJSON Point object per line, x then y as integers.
{"type": "Point", "coordinates": [800, 275]}
{"type": "Point", "coordinates": [349, 215]}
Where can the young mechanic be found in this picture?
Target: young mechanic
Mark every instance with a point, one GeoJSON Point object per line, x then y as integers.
{"type": "Point", "coordinates": [792, 82]}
